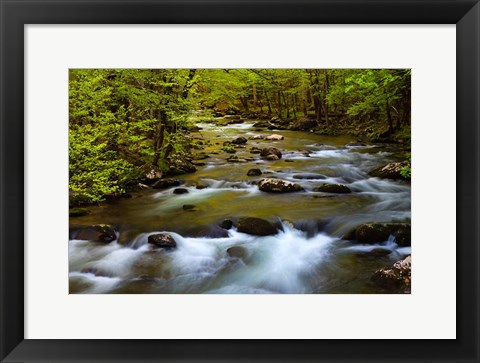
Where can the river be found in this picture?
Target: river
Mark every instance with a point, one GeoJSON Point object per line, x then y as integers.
{"type": "Point", "coordinates": [307, 256]}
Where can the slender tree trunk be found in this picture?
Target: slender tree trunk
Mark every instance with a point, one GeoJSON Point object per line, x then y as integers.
{"type": "Point", "coordinates": [268, 104]}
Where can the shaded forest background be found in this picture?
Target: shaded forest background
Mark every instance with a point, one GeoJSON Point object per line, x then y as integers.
{"type": "Point", "coordinates": [130, 125]}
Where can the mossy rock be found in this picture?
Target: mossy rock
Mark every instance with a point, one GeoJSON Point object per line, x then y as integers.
{"type": "Point", "coordinates": [333, 188]}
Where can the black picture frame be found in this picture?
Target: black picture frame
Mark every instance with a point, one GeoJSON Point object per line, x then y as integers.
{"type": "Point", "coordinates": [15, 14]}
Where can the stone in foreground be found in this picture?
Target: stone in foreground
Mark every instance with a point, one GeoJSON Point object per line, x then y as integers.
{"type": "Point", "coordinates": [256, 226]}
{"type": "Point", "coordinates": [162, 240]}
{"type": "Point", "coordinates": [272, 185]}
{"type": "Point", "coordinates": [370, 233]}
{"type": "Point", "coordinates": [389, 171]}
{"type": "Point", "coordinates": [396, 278]}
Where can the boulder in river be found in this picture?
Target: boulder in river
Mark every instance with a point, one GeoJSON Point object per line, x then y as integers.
{"type": "Point", "coordinates": [274, 137]}
{"type": "Point", "coordinates": [181, 166]}
{"type": "Point", "coordinates": [151, 173]}
{"type": "Point", "coordinates": [166, 183]}
{"type": "Point", "coordinates": [333, 188]}
{"type": "Point", "coordinates": [237, 251]}
{"type": "Point", "coordinates": [256, 137]}
{"type": "Point", "coordinates": [261, 124]}
{"type": "Point", "coordinates": [271, 151]}
{"type": "Point", "coordinates": [256, 226]}
{"type": "Point", "coordinates": [389, 171]}
{"type": "Point", "coordinates": [397, 278]}
{"type": "Point", "coordinates": [254, 172]}
{"type": "Point", "coordinates": [226, 224]}
{"type": "Point", "coordinates": [97, 233]}
{"type": "Point", "coordinates": [239, 140]}
{"type": "Point", "coordinates": [380, 232]}
{"type": "Point", "coordinates": [180, 191]}
{"type": "Point", "coordinates": [273, 185]}
{"type": "Point", "coordinates": [308, 176]}
{"type": "Point", "coordinates": [162, 240]}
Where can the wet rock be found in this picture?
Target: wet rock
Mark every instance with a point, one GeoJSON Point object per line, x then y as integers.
{"type": "Point", "coordinates": [271, 151]}
{"type": "Point", "coordinates": [181, 166]}
{"type": "Point", "coordinates": [142, 186]}
{"type": "Point", "coordinates": [180, 191]}
{"type": "Point", "coordinates": [162, 240]}
{"type": "Point", "coordinates": [255, 150]}
{"type": "Point", "coordinates": [271, 157]}
{"type": "Point", "coordinates": [237, 251]}
{"type": "Point", "coordinates": [303, 125]}
{"type": "Point", "coordinates": [397, 278]}
{"type": "Point", "coordinates": [274, 137]}
{"type": "Point", "coordinates": [358, 143]}
{"type": "Point", "coordinates": [256, 226]}
{"type": "Point", "coordinates": [254, 172]}
{"type": "Point", "coordinates": [226, 224]}
{"type": "Point", "coordinates": [273, 185]}
{"type": "Point", "coordinates": [166, 183]}
{"type": "Point", "coordinates": [261, 124]}
{"type": "Point", "coordinates": [151, 173]}
{"type": "Point", "coordinates": [308, 176]}
{"type": "Point", "coordinates": [305, 153]}
{"type": "Point", "coordinates": [380, 232]}
{"type": "Point", "coordinates": [78, 212]}
{"type": "Point", "coordinates": [97, 233]}
{"type": "Point", "coordinates": [190, 207]}
{"type": "Point", "coordinates": [201, 186]}
{"type": "Point", "coordinates": [333, 188]}
{"type": "Point", "coordinates": [239, 140]}
{"type": "Point", "coordinates": [389, 171]}
{"type": "Point", "coordinates": [256, 137]}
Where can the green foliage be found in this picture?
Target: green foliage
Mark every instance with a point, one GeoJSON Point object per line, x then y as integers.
{"type": "Point", "coordinates": [121, 119]}
{"type": "Point", "coordinates": [406, 171]}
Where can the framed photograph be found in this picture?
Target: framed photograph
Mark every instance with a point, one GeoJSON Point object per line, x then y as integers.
{"type": "Point", "coordinates": [239, 181]}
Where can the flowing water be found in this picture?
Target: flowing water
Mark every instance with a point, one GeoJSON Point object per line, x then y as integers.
{"type": "Point", "coordinates": [311, 258]}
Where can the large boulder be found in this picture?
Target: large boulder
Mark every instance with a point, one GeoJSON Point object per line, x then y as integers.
{"type": "Point", "coordinates": [237, 251]}
{"type": "Point", "coordinates": [256, 226]}
{"type": "Point", "coordinates": [389, 171]}
{"type": "Point", "coordinates": [308, 176]}
{"type": "Point", "coordinates": [166, 183]}
{"type": "Point", "coordinates": [274, 137]}
{"type": "Point", "coordinates": [333, 188]}
{"type": "Point", "coordinates": [397, 278]}
{"type": "Point", "coordinates": [254, 172]}
{"type": "Point", "coordinates": [380, 232]}
{"type": "Point", "coordinates": [97, 233]}
{"type": "Point", "coordinates": [181, 166]}
{"type": "Point", "coordinates": [239, 140]}
{"type": "Point", "coordinates": [180, 191]}
{"type": "Point", "coordinates": [162, 240]}
{"type": "Point", "coordinates": [273, 185]}
{"type": "Point", "coordinates": [151, 173]}
{"type": "Point", "coordinates": [303, 125]}
{"type": "Point", "coordinates": [271, 151]}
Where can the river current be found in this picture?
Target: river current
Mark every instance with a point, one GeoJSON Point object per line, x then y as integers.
{"type": "Point", "coordinates": [307, 256]}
